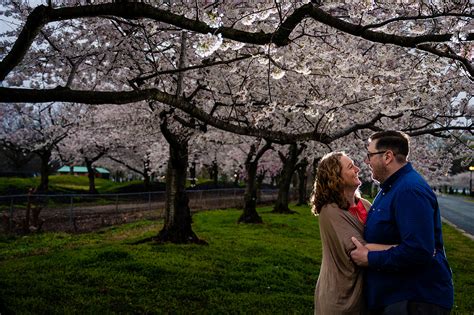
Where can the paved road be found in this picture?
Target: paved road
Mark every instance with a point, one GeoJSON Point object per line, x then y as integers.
{"type": "Point", "coordinates": [458, 211]}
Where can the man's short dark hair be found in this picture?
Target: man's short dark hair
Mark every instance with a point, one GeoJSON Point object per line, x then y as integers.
{"type": "Point", "coordinates": [396, 141]}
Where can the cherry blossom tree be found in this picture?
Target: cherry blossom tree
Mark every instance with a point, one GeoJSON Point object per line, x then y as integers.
{"type": "Point", "coordinates": [177, 131]}
{"type": "Point", "coordinates": [348, 56]}
{"type": "Point", "coordinates": [255, 153]}
{"type": "Point", "coordinates": [90, 140]}
{"type": "Point", "coordinates": [37, 129]}
{"type": "Point", "coordinates": [290, 161]}
{"type": "Point", "coordinates": [177, 228]}
{"type": "Point", "coordinates": [239, 156]}
{"type": "Point", "coordinates": [287, 72]}
{"type": "Point", "coordinates": [140, 146]}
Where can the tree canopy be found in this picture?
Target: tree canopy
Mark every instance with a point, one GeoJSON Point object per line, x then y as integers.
{"type": "Point", "coordinates": [286, 71]}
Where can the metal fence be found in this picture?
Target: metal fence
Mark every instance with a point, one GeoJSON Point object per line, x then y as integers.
{"type": "Point", "coordinates": [83, 212]}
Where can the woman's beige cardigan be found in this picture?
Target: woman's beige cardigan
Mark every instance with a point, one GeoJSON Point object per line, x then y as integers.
{"type": "Point", "coordinates": [339, 289]}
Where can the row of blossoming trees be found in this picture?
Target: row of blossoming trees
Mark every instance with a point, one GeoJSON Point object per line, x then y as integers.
{"type": "Point", "coordinates": [266, 84]}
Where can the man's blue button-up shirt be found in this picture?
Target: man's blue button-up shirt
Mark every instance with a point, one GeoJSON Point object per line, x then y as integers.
{"type": "Point", "coordinates": [406, 212]}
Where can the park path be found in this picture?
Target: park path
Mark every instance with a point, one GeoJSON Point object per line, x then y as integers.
{"type": "Point", "coordinates": [458, 211]}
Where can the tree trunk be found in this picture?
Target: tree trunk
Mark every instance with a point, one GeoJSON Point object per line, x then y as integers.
{"type": "Point", "coordinates": [146, 174]}
{"type": "Point", "coordinates": [250, 214]}
{"type": "Point", "coordinates": [302, 181]}
{"type": "Point", "coordinates": [192, 174]}
{"type": "Point", "coordinates": [45, 156]}
{"type": "Point", "coordinates": [236, 179]}
{"type": "Point", "coordinates": [314, 170]}
{"type": "Point", "coordinates": [146, 181]}
{"type": "Point", "coordinates": [289, 166]}
{"type": "Point", "coordinates": [215, 173]}
{"type": "Point", "coordinates": [177, 227]}
{"type": "Point", "coordinates": [91, 176]}
{"type": "Point", "coordinates": [260, 178]}
{"type": "Point", "coordinates": [281, 204]}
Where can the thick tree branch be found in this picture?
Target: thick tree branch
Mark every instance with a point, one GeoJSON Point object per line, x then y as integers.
{"type": "Point", "coordinates": [445, 53]}
{"type": "Point", "coordinates": [437, 131]}
{"type": "Point", "coordinates": [142, 79]}
{"type": "Point", "coordinates": [265, 148]}
{"type": "Point", "coordinates": [126, 165]}
{"type": "Point", "coordinates": [31, 29]}
{"type": "Point", "coordinates": [367, 125]}
{"type": "Point", "coordinates": [15, 95]}
{"type": "Point", "coordinates": [95, 98]}
{"type": "Point", "coordinates": [419, 17]}
{"type": "Point", "coordinates": [42, 15]}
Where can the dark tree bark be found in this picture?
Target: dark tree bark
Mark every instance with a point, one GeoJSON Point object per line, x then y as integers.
{"type": "Point", "coordinates": [45, 156]}
{"type": "Point", "coordinates": [214, 170]}
{"type": "Point", "coordinates": [91, 170]}
{"type": "Point", "coordinates": [314, 169]}
{"type": "Point", "coordinates": [286, 174]}
{"type": "Point", "coordinates": [192, 173]}
{"type": "Point", "coordinates": [260, 178]}
{"type": "Point", "coordinates": [146, 180]}
{"type": "Point", "coordinates": [177, 226]}
{"type": "Point", "coordinates": [91, 176]}
{"type": "Point", "coordinates": [250, 214]}
{"type": "Point", "coordinates": [146, 174]}
{"type": "Point", "coordinates": [236, 178]}
{"type": "Point", "coordinates": [302, 181]}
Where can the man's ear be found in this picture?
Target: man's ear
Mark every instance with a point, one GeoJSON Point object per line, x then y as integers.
{"type": "Point", "coordinates": [389, 157]}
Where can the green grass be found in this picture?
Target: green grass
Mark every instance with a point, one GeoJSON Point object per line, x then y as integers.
{"type": "Point", "coordinates": [80, 184]}
{"type": "Point", "coordinates": [15, 185]}
{"type": "Point", "coordinates": [57, 183]}
{"type": "Point", "coordinates": [265, 269]}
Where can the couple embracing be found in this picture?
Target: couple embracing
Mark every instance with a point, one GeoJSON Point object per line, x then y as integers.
{"type": "Point", "coordinates": [386, 258]}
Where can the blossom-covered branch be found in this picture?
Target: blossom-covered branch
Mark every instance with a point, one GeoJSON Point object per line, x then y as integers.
{"type": "Point", "coordinates": [42, 15]}
{"type": "Point", "coordinates": [15, 95]}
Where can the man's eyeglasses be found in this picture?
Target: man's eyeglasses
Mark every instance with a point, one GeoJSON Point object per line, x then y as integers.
{"type": "Point", "coordinates": [369, 154]}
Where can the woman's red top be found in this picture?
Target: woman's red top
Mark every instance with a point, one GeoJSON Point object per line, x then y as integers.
{"type": "Point", "coordinates": [359, 211]}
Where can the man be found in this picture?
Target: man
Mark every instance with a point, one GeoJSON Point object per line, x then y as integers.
{"type": "Point", "coordinates": [413, 277]}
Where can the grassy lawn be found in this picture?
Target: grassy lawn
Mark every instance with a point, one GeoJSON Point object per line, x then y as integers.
{"type": "Point", "coordinates": [265, 269]}
{"type": "Point", "coordinates": [57, 183]}
{"type": "Point", "coordinates": [63, 184]}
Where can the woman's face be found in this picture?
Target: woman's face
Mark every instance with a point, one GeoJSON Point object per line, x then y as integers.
{"type": "Point", "coordinates": [349, 173]}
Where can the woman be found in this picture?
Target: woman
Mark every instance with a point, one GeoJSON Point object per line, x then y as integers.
{"type": "Point", "coordinates": [342, 214]}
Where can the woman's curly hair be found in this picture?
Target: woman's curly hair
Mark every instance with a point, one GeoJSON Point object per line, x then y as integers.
{"type": "Point", "coordinates": [328, 184]}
